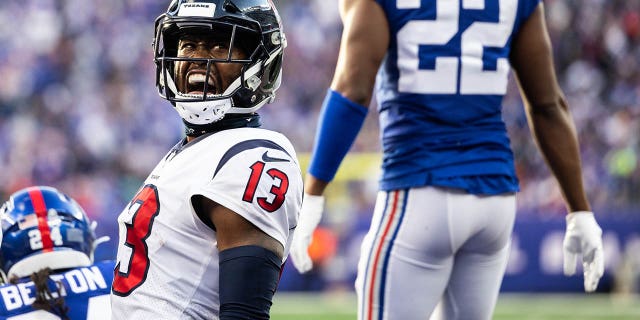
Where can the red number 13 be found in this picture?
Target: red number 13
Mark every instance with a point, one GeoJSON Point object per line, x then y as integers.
{"type": "Point", "coordinates": [142, 211]}
{"type": "Point", "coordinates": [278, 191]}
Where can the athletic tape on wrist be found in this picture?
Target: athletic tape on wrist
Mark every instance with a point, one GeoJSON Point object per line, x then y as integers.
{"type": "Point", "coordinates": [338, 126]}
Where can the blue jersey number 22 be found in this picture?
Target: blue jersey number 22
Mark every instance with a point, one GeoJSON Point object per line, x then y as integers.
{"type": "Point", "coordinates": [443, 79]}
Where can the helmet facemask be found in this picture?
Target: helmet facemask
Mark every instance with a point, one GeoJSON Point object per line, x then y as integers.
{"type": "Point", "coordinates": [195, 83]}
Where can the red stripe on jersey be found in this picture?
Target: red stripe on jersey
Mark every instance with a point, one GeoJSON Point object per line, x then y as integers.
{"type": "Point", "coordinates": [374, 267]}
{"type": "Point", "coordinates": [40, 209]}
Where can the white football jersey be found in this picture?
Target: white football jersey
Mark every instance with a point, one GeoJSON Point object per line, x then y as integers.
{"type": "Point", "coordinates": [167, 257]}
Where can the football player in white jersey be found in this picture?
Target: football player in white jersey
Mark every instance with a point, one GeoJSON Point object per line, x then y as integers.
{"type": "Point", "coordinates": [445, 211]}
{"type": "Point", "coordinates": [207, 234]}
{"type": "Point", "coordinates": [46, 261]}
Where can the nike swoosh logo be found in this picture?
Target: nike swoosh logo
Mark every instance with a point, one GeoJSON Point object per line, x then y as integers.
{"type": "Point", "coordinates": [266, 158]}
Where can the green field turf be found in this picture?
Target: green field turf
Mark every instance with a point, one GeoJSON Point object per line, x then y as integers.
{"type": "Point", "coordinates": [341, 306]}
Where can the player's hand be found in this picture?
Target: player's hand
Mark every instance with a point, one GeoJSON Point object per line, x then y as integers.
{"type": "Point", "coordinates": [584, 236]}
{"type": "Point", "coordinates": [310, 215]}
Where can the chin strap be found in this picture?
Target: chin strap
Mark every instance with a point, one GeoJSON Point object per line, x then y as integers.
{"type": "Point", "coordinates": [98, 241]}
{"type": "Point", "coordinates": [230, 121]}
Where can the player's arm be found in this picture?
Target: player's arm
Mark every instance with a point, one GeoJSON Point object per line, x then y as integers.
{"type": "Point", "coordinates": [250, 262]}
{"type": "Point", "coordinates": [547, 110]}
{"type": "Point", "coordinates": [232, 230]}
{"type": "Point", "coordinates": [364, 42]}
{"type": "Point", "coordinates": [554, 132]}
{"type": "Point", "coordinates": [365, 38]}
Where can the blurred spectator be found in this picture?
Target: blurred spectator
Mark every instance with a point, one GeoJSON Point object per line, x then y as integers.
{"type": "Point", "coordinates": [79, 109]}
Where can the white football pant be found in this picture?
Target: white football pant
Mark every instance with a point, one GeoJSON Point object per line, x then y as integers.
{"type": "Point", "coordinates": [430, 244]}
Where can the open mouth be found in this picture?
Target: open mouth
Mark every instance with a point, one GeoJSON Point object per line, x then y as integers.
{"type": "Point", "coordinates": [196, 83]}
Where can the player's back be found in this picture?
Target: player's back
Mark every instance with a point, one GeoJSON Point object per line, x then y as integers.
{"type": "Point", "coordinates": [440, 90]}
{"type": "Point", "coordinates": [85, 291]}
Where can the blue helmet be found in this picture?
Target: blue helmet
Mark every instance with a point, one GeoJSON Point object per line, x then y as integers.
{"type": "Point", "coordinates": [43, 227]}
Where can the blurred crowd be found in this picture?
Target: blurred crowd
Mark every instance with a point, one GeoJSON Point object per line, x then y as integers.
{"type": "Point", "coordinates": [79, 109]}
{"type": "Point", "coordinates": [597, 55]}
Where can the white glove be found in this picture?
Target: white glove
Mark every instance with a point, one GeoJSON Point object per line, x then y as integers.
{"type": "Point", "coordinates": [310, 215]}
{"type": "Point", "coordinates": [584, 236]}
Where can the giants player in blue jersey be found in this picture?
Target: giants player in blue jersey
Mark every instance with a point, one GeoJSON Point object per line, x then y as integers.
{"type": "Point", "coordinates": [47, 259]}
{"type": "Point", "coordinates": [209, 231]}
{"type": "Point", "coordinates": [446, 206]}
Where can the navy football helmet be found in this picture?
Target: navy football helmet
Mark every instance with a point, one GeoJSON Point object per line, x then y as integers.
{"type": "Point", "coordinates": [252, 25]}
{"type": "Point", "coordinates": [42, 227]}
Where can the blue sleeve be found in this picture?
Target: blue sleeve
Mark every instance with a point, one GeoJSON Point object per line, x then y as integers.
{"type": "Point", "coordinates": [339, 123]}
